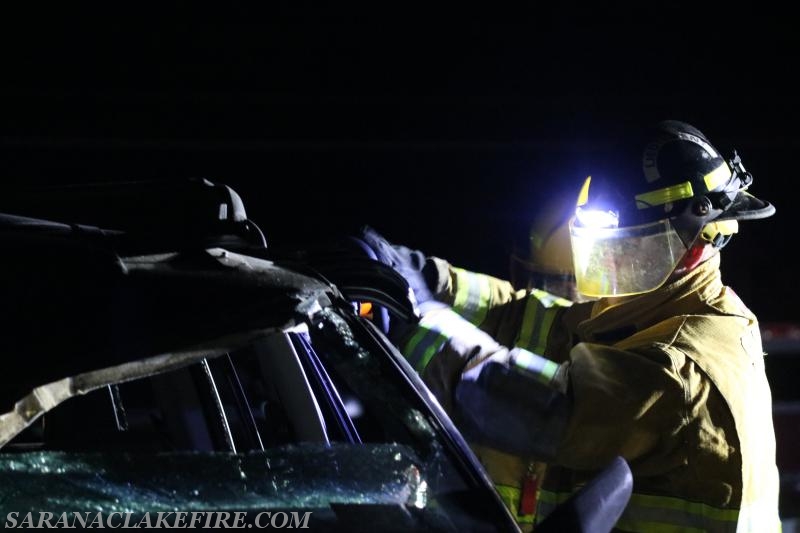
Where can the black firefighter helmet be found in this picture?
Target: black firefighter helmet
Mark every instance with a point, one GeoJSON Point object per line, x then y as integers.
{"type": "Point", "coordinates": [644, 208]}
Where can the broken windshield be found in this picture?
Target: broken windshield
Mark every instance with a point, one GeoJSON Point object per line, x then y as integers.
{"type": "Point", "coordinates": [172, 442]}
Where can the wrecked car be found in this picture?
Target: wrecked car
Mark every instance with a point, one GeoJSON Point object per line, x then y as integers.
{"type": "Point", "coordinates": [180, 366]}
{"type": "Point", "coordinates": [164, 367]}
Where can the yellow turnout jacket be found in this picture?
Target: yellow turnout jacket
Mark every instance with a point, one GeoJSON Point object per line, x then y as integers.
{"type": "Point", "coordinates": [672, 380]}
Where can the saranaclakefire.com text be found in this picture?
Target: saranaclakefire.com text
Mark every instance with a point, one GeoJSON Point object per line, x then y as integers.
{"type": "Point", "coordinates": [171, 519]}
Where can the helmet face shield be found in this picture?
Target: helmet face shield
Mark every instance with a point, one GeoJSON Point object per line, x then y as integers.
{"type": "Point", "coordinates": [624, 261]}
{"type": "Point", "coordinates": [650, 202]}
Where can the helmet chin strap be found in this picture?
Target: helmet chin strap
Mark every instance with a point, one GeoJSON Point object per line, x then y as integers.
{"type": "Point", "coordinates": [721, 241]}
{"type": "Point", "coordinates": [695, 255]}
{"type": "Point", "coordinates": [719, 233]}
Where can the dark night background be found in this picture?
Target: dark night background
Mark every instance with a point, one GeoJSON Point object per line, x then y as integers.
{"type": "Point", "coordinates": [440, 131]}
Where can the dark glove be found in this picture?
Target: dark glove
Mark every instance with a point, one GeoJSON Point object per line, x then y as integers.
{"type": "Point", "coordinates": [407, 262]}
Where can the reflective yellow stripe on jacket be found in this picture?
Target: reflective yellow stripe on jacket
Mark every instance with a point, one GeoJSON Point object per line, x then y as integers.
{"type": "Point", "coordinates": [660, 514]}
{"type": "Point", "coordinates": [472, 297]}
{"type": "Point", "coordinates": [431, 334]}
{"type": "Point", "coordinates": [431, 338]}
{"type": "Point", "coordinates": [511, 497]}
{"type": "Point", "coordinates": [540, 312]}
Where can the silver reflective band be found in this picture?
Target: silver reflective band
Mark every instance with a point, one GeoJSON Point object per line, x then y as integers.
{"type": "Point", "coordinates": [624, 261]}
{"type": "Point", "coordinates": [472, 297]}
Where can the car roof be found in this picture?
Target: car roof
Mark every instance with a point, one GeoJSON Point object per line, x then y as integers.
{"type": "Point", "coordinates": [69, 290]}
{"type": "Point", "coordinates": [89, 297]}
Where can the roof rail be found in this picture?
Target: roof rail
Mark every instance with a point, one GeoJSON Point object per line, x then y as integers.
{"type": "Point", "coordinates": [184, 210]}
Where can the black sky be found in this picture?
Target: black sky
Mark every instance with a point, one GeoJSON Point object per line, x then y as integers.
{"type": "Point", "coordinates": [441, 130]}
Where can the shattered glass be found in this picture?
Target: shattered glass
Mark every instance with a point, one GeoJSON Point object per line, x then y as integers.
{"type": "Point", "coordinates": [398, 475]}
{"type": "Point", "coordinates": [306, 476]}
{"type": "Point", "coordinates": [346, 487]}
{"type": "Point", "coordinates": [375, 382]}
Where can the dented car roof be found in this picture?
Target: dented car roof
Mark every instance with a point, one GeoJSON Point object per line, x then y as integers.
{"type": "Point", "coordinates": [72, 291]}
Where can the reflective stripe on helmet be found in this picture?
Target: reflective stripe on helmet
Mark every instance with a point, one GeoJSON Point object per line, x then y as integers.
{"type": "Point", "coordinates": [673, 193]}
{"type": "Point", "coordinates": [717, 177]}
{"type": "Point", "coordinates": [540, 312]}
{"type": "Point", "coordinates": [681, 191]}
{"type": "Point", "coordinates": [472, 295]}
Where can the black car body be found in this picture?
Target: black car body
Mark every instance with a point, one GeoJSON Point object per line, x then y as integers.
{"type": "Point", "coordinates": [175, 364]}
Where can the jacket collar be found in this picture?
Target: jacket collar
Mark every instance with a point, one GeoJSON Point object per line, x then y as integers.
{"type": "Point", "coordinates": [612, 319]}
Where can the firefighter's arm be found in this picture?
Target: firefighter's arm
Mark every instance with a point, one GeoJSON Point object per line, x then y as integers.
{"type": "Point", "coordinates": [632, 403]}
{"type": "Point", "coordinates": [441, 346]}
{"type": "Point", "coordinates": [602, 403]}
{"type": "Point", "coordinates": [471, 294]}
{"type": "Point", "coordinates": [486, 387]}
{"type": "Point", "coordinates": [521, 318]}
{"type": "Point", "coordinates": [515, 317]}
{"type": "Point", "coordinates": [515, 401]}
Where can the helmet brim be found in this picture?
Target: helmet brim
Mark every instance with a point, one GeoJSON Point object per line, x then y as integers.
{"type": "Point", "coordinates": [747, 207]}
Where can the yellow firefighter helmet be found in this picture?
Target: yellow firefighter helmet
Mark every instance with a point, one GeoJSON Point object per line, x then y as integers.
{"type": "Point", "coordinates": [545, 260]}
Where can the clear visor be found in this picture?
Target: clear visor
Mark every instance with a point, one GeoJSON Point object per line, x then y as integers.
{"type": "Point", "coordinates": [624, 261]}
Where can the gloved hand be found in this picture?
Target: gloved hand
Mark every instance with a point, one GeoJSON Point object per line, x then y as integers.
{"type": "Point", "coordinates": [407, 262]}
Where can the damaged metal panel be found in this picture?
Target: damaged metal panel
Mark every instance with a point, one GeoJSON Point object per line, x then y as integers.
{"type": "Point", "coordinates": [93, 317]}
{"type": "Point", "coordinates": [108, 310]}
{"type": "Point", "coordinates": [46, 397]}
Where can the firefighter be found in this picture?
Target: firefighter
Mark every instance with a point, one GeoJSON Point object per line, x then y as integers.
{"type": "Point", "coordinates": [665, 368]}
{"type": "Point", "coordinates": [543, 260]}
{"type": "Point", "coordinates": [542, 266]}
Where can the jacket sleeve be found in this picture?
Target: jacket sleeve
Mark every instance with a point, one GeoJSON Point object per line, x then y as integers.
{"type": "Point", "coordinates": [514, 318]}
{"type": "Point", "coordinates": [472, 295]}
{"type": "Point", "coordinates": [442, 346]}
{"type": "Point", "coordinates": [629, 403]}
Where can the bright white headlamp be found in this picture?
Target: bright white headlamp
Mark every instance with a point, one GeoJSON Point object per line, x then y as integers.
{"type": "Point", "coordinates": [595, 218]}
